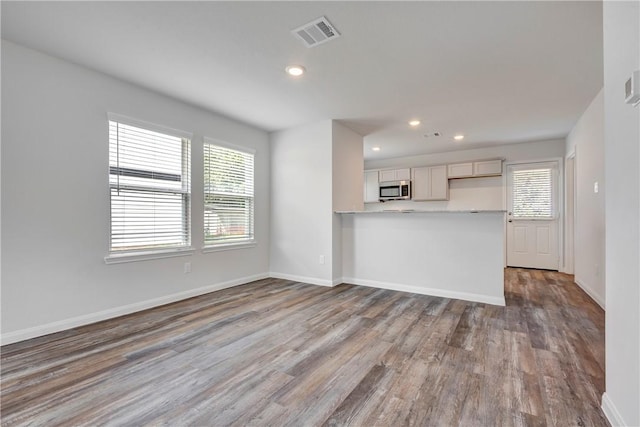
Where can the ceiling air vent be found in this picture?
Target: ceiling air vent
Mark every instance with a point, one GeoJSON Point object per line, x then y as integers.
{"type": "Point", "coordinates": [316, 32]}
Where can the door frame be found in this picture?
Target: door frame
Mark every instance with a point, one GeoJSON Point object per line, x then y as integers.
{"type": "Point", "coordinates": [560, 203]}
{"type": "Point", "coordinates": [571, 206]}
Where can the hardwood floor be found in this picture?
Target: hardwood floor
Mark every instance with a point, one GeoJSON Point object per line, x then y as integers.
{"type": "Point", "coordinates": [279, 353]}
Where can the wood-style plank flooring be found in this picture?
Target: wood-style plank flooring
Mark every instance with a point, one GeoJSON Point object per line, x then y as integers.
{"type": "Point", "coordinates": [280, 353]}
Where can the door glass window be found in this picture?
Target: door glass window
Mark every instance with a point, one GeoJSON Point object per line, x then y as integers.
{"type": "Point", "coordinates": [532, 193]}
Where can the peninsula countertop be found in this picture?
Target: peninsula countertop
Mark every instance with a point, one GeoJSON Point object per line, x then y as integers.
{"type": "Point", "coordinates": [423, 211]}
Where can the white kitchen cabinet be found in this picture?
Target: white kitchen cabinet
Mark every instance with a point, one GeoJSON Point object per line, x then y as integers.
{"type": "Point", "coordinates": [395, 175]}
{"type": "Point", "coordinates": [460, 170]}
{"type": "Point", "coordinates": [473, 169]}
{"type": "Point", "coordinates": [389, 175]}
{"type": "Point", "coordinates": [430, 183]}
{"type": "Point", "coordinates": [371, 187]}
{"type": "Point", "coordinates": [487, 168]}
{"type": "Point", "coordinates": [403, 174]}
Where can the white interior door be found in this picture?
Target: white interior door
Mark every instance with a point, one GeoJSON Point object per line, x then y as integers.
{"type": "Point", "coordinates": [532, 215]}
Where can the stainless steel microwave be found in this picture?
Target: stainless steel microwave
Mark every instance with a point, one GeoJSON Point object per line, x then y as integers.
{"type": "Point", "coordinates": [395, 190]}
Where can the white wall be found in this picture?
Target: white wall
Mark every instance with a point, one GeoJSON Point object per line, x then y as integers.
{"type": "Point", "coordinates": [316, 169]}
{"type": "Point", "coordinates": [301, 203]}
{"type": "Point", "coordinates": [470, 193]}
{"type": "Point", "coordinates": [454, 255]}
{"type": "Point", "coordinates": [586, 140]}
{"type": "Point", "coordinates": [347, 168]}
{"type": "Point", "coordinates": [622, 176]}
{"type": "Point", "coordinates": [348, 181]}
{"type": "Point", "coordinates": [55, 198]}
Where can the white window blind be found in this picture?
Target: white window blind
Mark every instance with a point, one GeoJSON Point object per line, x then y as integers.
{"type": "Point", "coordinates": [149, 180]}
{"type": "Point", "coordinates": [533, 193]}
{"type": "Point", "coordinates": [228, 195]}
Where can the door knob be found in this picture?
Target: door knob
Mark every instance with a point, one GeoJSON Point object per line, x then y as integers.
{"type": "Point", "coordinates": [510, 220]}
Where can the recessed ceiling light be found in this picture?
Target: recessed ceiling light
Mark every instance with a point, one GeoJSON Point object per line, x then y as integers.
{"type": "Point", "coordinates": [295, 70]}
{"type": "Point", "coordinates": [458, 137]}
{"type": "Point", "coordinates": [376, 148]}
{"type": "Point", "coordinates": [414, 122]}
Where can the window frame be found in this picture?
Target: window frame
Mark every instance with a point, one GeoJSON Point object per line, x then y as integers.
{"type": "Point", "coordinates": [128, 255]}
{"type": "Point", "coordinates": [246, 243]}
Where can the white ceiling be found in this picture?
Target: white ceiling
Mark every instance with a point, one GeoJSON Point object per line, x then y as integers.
{"type": "Point", "coordinates": [498, 72]}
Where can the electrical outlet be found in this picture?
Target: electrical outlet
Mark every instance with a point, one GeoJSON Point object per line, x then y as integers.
{"type": "Point", "coordinates": [321, 259]}
{"type": "Point", "coordinates": [595, 187]}
{"type": "Point", "coordinates": [187, 267]}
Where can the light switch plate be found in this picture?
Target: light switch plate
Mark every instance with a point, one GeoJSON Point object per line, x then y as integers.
{"type": "Point", "coordinates": [632, 89]}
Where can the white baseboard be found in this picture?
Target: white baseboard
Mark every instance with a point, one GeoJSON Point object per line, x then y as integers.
{"type": "Point", "coordinates": [393, 287]}
{"type": "Point", "coordinates": [74, 322]}
{"type": "Point", "coordinates": [305, 279]}
{"type": "Point", "coordinates": [597, 298]}
{"type": "Point", "coordinates": [427, 291]}
{"type": "Point", "coordinates": [611, 412]}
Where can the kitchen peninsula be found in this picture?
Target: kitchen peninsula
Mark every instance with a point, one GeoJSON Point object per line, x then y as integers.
{"type": "Point", "coordinates": [448, 253]}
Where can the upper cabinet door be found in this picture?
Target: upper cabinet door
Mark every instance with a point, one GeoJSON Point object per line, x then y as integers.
{"type": "Point", "coordinates": [460, 170]}
{"type": "Point", "coordinates": [388, 175]}
{"type": "Point", "coordinates": [439, 182]}
{"type": "Point", "coordinates": [403, 174]}
{"type": "Point", "coordinates": [430, 183]}
{"type": "Point", "coordinates": [395, 175]}
{"type": "Point", "coordinates": [421, 184]}
{"type": "Point", "coordinates": [487, 168]}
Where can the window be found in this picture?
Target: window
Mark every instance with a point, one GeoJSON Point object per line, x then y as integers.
{"type": "Point", "coordinates": [228, 195]}
{"type": "Point", "coordinates": [149, 180]}
{"type": "Point", "coordinates": [532, 192]}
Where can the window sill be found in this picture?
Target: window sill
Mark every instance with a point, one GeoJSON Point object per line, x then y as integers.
{"type": "Point", "coordinates": [149, 255]}
{"type": "Point", "coordinates": [229, 246]}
